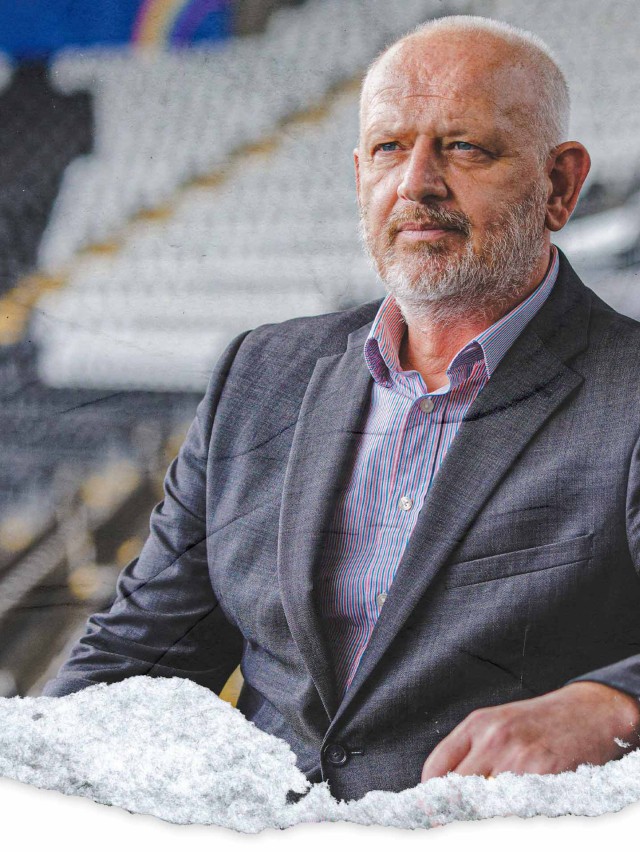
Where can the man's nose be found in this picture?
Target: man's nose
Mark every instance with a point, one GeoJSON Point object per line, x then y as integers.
{"type": "Point", "coordinates": [423, 177]}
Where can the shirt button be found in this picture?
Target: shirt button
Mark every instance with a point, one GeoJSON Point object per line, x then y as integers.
{"type": "Point", "coordinates": [426, 404]}
{"type": "Point", "coordinates": [405, 503]}
{"type": "Point", "coordinates": [381, 598]}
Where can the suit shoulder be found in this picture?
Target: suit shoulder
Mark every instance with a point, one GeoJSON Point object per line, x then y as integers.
{"type": "Point", "coordinates": [313, 336]}
{"type": "Point", "coordinates": [609, 325]}
{"type": "Point", "coordinates": [611, 361]}
{"type": "Point", "coordinates": [267, 377]}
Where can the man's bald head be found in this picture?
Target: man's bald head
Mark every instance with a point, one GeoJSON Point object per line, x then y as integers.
{"type": "Point", "coordinates": [513, 59]}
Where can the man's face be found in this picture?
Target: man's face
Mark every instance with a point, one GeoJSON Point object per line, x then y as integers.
{"type": "Point", "coordinates": [451, 190]}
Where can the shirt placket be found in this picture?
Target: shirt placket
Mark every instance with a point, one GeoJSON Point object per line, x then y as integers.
{"type": "Point", "coordinates": [414, 452]}
{"type": "Point", "coordinates": [412, 471]}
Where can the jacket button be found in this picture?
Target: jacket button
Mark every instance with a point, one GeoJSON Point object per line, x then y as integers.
{"type": "Point", "coordinates": [336, 754]}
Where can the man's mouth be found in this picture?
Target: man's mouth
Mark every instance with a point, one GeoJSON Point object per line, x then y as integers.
{"type": "Point", "coordinates": [425, 231]}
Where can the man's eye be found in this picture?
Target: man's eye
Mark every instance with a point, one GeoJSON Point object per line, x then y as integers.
{"type": "Point", "coordinates": [386, 146]}
{"type": "Point", "coordinates": [465, 146]}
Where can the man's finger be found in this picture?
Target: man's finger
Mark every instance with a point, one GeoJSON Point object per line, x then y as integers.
{"type": "Point", "coordinates": [447, 754]}
{"type": "Point", "coordinates": [476, 763]}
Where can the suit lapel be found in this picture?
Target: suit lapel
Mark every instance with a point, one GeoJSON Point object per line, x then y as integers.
{"type": "Point", "coordinates": [324, 443]}
{"type": "Point", "coordinates": [530, 383]}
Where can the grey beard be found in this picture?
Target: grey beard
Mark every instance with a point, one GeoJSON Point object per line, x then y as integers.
{"type": "Point", "coordinates": [479, 285]}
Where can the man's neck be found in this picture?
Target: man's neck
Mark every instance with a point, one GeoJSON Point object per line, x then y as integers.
{"type": "Point", "coordinates": [428, 345]}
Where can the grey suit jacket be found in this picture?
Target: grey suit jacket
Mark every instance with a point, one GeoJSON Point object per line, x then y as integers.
{"type": "Point", "coordinates": [521, 573]}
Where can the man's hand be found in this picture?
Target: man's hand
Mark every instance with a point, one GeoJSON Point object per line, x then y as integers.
{"type": "Point", "coordinates": [584, 722]}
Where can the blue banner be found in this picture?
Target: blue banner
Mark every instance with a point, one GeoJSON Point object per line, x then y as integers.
{"type": "Point", "coordinates": [37, 28]}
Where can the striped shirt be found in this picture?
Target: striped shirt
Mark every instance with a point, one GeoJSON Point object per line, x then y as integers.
{"type": "Point", "coordinates": [405, 439]}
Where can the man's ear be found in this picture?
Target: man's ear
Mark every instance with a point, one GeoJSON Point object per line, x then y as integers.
{"type": "Point", "coordinates": [356, 162]}
{"type": "Point", "coordinates": [567, 169]}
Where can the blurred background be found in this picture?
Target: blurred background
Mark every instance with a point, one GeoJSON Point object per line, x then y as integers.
{"type": "Point", "coordinates": [173, 172]}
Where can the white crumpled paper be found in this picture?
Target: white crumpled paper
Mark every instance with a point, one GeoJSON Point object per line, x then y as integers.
{"type": "Point", "coordinates": [171, 748]}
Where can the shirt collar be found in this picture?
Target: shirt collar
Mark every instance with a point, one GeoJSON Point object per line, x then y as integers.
{"type": "Point", "coordinates": [382, 347]}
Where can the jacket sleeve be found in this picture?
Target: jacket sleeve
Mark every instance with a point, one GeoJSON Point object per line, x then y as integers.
{"type": "Point", "coordinates": [165, 620]}
{"type": "Point", "coordinates": [625, 674]}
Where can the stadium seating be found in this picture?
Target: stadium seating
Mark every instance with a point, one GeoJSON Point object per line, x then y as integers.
{"type": "Point", "coordinates": [278, 239]}
{"type": "Point", "coordinates": [163, 119]}
{"type": "Point", "coordinates": [44, 428]}
{"type": "Point", "coordinates": [41, 131]}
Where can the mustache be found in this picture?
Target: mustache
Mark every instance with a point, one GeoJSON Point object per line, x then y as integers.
{"type": "Point", "coordinates": [428, 215]}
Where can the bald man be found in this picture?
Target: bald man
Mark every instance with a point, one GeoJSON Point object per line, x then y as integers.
{"type": "Point", "coordinates": [416, 524]}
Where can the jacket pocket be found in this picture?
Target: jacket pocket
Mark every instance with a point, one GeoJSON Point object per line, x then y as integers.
{"type": "Point", "coordinates": [517, 562]}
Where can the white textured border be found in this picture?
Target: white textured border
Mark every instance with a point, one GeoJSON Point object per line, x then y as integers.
{"type": "Point", "coordinates": [170, 748]}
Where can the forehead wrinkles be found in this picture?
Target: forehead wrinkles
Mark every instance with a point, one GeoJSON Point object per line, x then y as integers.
{"type": "Point", "coordinates": [503, 97]}
{"type": "Point", "coordinates": [394, 106]}
{"type": "Point", "coordinates": [391, 95]}
{"type": "Point", "coordinates": [453, 61]}
{"type": "Point", "coordinates": [390, 82]}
